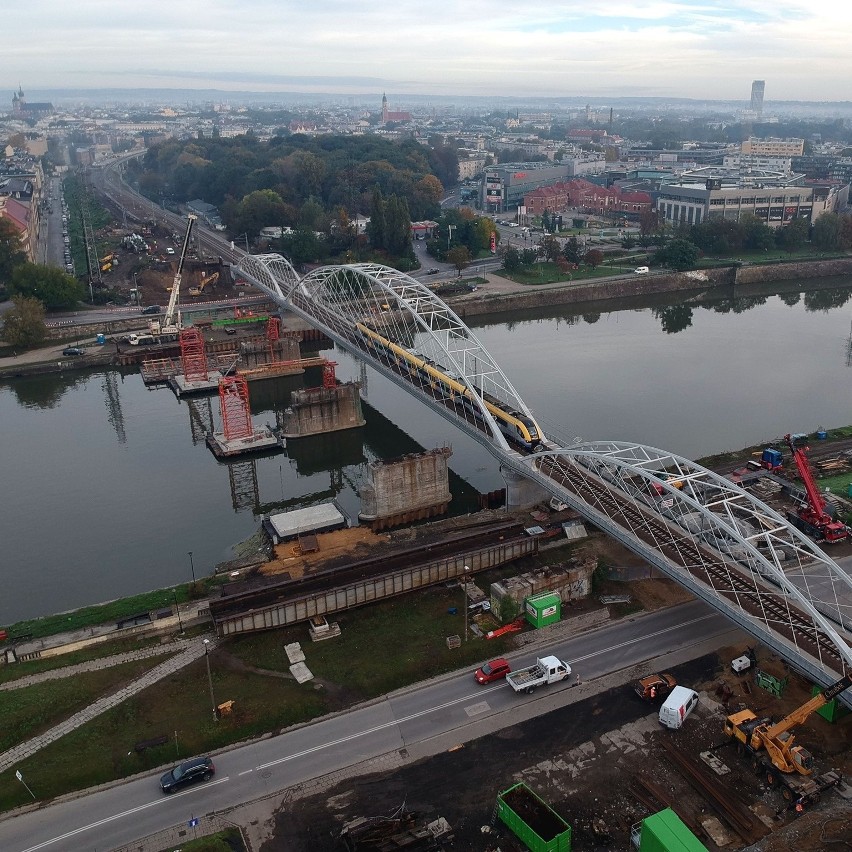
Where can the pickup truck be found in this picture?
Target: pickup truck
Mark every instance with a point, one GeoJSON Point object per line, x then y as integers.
{"type": "Point", "coordinates": [546, 670]}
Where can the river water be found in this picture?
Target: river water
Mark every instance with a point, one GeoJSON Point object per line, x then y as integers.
{"type": "Point", "coordinates": [108, 485]}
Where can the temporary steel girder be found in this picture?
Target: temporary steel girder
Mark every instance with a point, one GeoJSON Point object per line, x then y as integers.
{"type": "Point", "coordinates": [699, 508]}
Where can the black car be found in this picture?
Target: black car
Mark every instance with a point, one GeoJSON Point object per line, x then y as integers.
{"type": "Point", "coordinates": [190, 772]}
{"type": "Point", "coordinates": [151, 309]}
{"type": "Point", "coordinates": [72, 351]}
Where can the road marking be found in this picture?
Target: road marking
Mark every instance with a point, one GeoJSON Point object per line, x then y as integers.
{"type": "Point", "coordinates": [456, 701]}
{"type": "Point", "coordinates": [123, 814]}
{"type": "Point", "coordinates": [476, 709]}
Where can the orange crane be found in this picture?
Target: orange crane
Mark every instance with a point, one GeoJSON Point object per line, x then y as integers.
{"type": "Point", "coordinates": [785, 763]}
{"type": "Point", "coordinates": [813, 518]}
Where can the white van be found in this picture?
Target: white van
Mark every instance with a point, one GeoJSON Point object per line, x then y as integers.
{"type": "Point", "coordinates": [641, 270]}
{"type": "Point", "coordinates": [680, 703]}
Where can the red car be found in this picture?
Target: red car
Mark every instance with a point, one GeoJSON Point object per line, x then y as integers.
{"type": "Point", "coordinates": [495, 670]}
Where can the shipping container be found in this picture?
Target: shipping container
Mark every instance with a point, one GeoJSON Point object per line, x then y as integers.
{"type": "Point", "coordinates": [832, 710]}
{"type": "Point", "coordinates": [535, 823]}
{"type": "Point", "coordinates": [665, 832]}
{"type": "Point", "coordinates": [543, 609]}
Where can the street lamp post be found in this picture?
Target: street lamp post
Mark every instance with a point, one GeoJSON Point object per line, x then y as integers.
{"type": "Point", "coordinates": [464, 599]}
{"type": "Point", "coordinates": [177, 610]}
{"type": "Point", "coordinates": [210, 679]}
{"type": "Point", "coordinates": [192, 567]}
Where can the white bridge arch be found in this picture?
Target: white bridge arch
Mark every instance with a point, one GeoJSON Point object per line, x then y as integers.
{"type": "Point", "coordinates": [698, 528]}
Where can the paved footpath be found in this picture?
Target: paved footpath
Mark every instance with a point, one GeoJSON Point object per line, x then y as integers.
{"type": "Point", "coordinates": [189, 650]}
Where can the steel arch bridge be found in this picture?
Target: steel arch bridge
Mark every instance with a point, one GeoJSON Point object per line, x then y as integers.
{"type": "Point", "coordinates": [698, 528]}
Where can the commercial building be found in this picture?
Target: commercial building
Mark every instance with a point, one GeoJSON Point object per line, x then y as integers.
{"type": "Point", "coordinates": [773, 147]}
{"type": "Point", "coordinates": [757, 88]}
{"type": "Point", "coordinates": [694, 199]}
{"type": "Point", "coordinates": [505, 186]}
{"type": "Point", "coordinates": [588, 197]}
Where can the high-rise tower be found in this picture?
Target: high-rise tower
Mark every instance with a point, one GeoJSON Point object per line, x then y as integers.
{"type": "Point", "coordinates": [757, 88]}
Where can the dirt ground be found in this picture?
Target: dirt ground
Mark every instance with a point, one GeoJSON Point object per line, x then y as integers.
{"type": "Point", "coordinates": [584, 760]}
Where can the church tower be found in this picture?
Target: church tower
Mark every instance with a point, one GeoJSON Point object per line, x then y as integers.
{"type": "Point", "coordinates": [384, 109]}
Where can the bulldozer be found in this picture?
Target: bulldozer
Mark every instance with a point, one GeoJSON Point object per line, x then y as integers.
{"type": "Point", "coordinates": [205, 281]}
{"type": "Point", "coordinates": [773, 750]}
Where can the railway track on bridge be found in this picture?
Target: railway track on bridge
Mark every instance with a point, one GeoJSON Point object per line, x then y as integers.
{"type": "Point", "coordinates": [703, 565]}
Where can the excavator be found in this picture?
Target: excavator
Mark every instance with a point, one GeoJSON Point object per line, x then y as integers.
{"type": "Point", "coordinates": [773, 749]}
{"type": "Point", "coordinates": [171, 324]}
{"type": "Point", "coordinates": [205, 281]}
{"type": "Point", "coordinates": [813, 518]}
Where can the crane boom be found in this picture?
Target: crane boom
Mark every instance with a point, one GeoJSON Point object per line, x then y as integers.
{"type": "Point", "coordinates": [800, 714]}
{"type": "Point", "coordinates": [169, 320]}
{"type": "Point", "coordinates": [813, 516]}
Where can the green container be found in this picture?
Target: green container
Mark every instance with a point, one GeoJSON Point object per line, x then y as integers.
{"type": "Point", "coordinates": [543, 609]}
{"type": "Point", "coordinates": [665, 832]}
{"type": "Point", "coordinates": [832, 710]}
{"type": "Point", "coordinates": [535, 823]}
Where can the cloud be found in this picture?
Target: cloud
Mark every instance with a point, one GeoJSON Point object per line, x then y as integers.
{"type": "Point", "coordinates": [699, 49]}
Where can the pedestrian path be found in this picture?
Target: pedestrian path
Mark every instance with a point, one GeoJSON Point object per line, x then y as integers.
{"type": "Point", "coordinates": [96, 665]}
{"type": "Point", "coordinates": [192, 650]}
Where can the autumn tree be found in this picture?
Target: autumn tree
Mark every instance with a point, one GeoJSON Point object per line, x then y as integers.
{"type": "Point", "coordinates": [593, 258]}
{"type": "Point", "coordinates": [23, 324]}
{"type": "Point", "coordinates": [459, 256]}
{"type": "Point", "coordinates": [11, 254]}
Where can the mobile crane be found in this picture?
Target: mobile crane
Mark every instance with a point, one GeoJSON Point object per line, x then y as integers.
{"type": "Point", "coordinates": [205, 281]}
{"type": "Point", "coordinates": [171, 325]}
{"type": "Point", "coordinates": [813, 518]}
{"type": "Point", "coordinates": [774, 754]}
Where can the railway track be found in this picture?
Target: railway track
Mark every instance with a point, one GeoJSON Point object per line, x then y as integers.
{"type": "Point", "coordinates": [722, 577]}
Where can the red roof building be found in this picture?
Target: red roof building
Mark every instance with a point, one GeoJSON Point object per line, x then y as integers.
{"type": "Point", "coordinates": [390, 117]}
{"type": "Point", "coordinates": [587, 196]}
{"type": "Point", "coordinates": [18, 214]}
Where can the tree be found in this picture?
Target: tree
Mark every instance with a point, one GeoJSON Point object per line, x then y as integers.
{"type": "Point", "coordinates": [678, 254]}
{"type": "Point", "coordinates": [571, 251]}
{"type": "Point", "coordinates": [11, 254]}
{"type": "Point", "coordinates": [628, 241]}
{"type": "Point", "coordinates": [792, 237]}
{"type": "Point", "coordinates": [459, 256]}
{"type": "Point", "coordinates": [54, 288]}
{"type": "Point", "coordinates": [593, 258]}
{"type": "Point", "coordinates": [376, 225]}
{"type": "Point", "coordinates": [23, 324]}
{"type": "Point", "coordinates": [648, 221]}
{"type": "Point", "coordinates": [511, 259]}
{"type": "Point", "coordinates": [828, 230]}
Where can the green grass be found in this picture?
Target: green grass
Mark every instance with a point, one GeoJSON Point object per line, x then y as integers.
{"type": "Point", "coordinates": [229, 840]}
{"type": "Point", "coordinates": [91, 616]}
{"type": "Point", "coordinates": [95, 652]}
{"type": "Point", "coordinates": [30, 711]}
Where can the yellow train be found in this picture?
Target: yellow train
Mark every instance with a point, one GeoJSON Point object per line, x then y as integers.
{"type": "Point", "coordinates": [517, 427]}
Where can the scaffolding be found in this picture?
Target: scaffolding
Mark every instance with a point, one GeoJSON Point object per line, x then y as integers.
{"type": "Point", "coordinates": [234, 404]}
{"type": "Point", "coordinates": [192, 355]}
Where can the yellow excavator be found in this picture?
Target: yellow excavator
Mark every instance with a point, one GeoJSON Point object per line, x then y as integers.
{"type": "Point", "coordinates": [207, 279]}
{"type": "Point", "coordinates": [773, 750]}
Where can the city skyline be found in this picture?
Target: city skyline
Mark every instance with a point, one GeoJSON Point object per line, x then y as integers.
{"type": "Point", "coordinates": [709, 50]}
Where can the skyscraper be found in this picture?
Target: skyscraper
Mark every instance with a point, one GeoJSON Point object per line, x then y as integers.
{"type": "Point", "coordinates": [757, 96]}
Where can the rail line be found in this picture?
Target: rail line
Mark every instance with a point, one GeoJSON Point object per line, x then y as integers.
{"type": "Point", "coordinates": [702, 564]}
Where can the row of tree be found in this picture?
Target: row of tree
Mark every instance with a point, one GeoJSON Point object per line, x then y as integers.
{"type": "Point", "coordinates": [297, 181]}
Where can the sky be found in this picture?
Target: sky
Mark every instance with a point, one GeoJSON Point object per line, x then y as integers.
{"type": "Point", "coordinates": [708, 50]}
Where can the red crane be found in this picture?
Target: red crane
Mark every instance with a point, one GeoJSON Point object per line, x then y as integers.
{"type": "Point", "coordinates": [813, 518]}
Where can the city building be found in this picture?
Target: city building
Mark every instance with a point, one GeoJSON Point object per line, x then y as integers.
{"type": "Point", "coordinates": [773, 147]}
{"type": "Point", "coordinates": [505, 186]}
{"type": "Point", "coordinates": [21, 109]}
{"type": "Point", "coordinates": [18, 214]}
{"type": "Point", "coordinates": [389, 117]}
{"type": "Point", "coordinates": [757, 88]}
{"type": "Point", "coordinates": [774, 200]}
{"type": "Point", "coordinates": [588, 197]}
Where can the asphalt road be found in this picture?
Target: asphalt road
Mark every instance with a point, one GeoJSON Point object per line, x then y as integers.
{"type": "Point", "coordinates": [420, 719]}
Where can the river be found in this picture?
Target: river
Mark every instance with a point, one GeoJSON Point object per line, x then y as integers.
{"type": "Point", "coordinates": [108, 485]}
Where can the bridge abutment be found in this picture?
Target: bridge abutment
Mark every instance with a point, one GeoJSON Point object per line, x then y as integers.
{"type": "Point", "coordinates": [521, 493]}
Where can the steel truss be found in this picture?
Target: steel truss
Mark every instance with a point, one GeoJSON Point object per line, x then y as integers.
{"type": "Point", "coordinates": [698, 528]}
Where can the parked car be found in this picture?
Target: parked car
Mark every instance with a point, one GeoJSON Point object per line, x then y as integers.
{"type": "Point", "coordinates": [71, 351]}
{"type": "Point", "coordinates": [494, 670]}
{"type": "Point", "coordinates": [432, 270]}
{"type": "Point", "coordinates": [189, 772]}
{"type": "Point", "coordinates": [655, 687]}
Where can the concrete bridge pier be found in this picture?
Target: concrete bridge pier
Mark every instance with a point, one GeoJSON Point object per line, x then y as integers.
{"type": "Point", "coordinates": [522, 493]}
